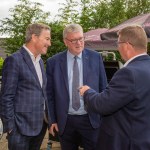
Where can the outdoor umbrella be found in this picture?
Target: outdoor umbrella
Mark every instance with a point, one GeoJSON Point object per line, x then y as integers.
{"type": "Point", "coordinates": [94, 35]}
{"type": "Point", "coordinates": [143, 20]}
{"type": "Point", "coordinates": [94, 42]}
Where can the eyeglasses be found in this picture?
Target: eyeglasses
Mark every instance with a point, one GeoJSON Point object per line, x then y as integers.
{"type": "Point", "coordinates": [121, 42]}
{"type": "Point", "coordinates": [76, 40]}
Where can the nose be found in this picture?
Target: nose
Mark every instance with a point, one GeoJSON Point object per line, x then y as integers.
{"type": "Point", "coordinates": [49, 43]}
{"type": "Point", "coordinates": [78, 42]}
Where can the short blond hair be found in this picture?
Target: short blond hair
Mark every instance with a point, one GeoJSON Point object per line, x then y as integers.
{"type": "Point", "coordinates": [135, 35]}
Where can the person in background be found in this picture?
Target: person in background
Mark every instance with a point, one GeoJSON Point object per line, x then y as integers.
{"type": "Point", "coordinates": [66, 71]}
{"type": "Point", "coordinates": [125, 103]}
{"type": "Point", "coordinates": [23, 98]}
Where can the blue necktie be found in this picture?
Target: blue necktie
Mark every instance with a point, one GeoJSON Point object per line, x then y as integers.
{"type": "Point", "coordinates": [75, 86]}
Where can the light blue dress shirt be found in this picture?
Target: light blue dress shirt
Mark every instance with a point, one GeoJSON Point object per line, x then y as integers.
{"type": "Point", "coordinates": [70, 61]}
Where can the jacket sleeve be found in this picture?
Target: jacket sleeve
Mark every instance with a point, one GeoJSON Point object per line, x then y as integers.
{"type": "Point", "coordinates": [8, 90]}
{"type": "Point", "coordinates": [118, 93]}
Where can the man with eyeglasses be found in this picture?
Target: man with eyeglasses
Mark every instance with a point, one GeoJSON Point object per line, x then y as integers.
{"type": "Point", "coordinates": [125, 103]}
{"type": "Point", "coordinates": [66, 72]}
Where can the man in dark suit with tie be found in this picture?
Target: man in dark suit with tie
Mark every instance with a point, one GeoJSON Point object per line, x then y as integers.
{"type": "Point", "coordinates": [125, 104]}
{"type": "Point", "coordinates": [67, 71]}
{"type": "Point", "coordinates": [23, 97]}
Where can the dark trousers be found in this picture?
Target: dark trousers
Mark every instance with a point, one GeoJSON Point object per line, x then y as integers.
{"type": "Point", "coordinates": [17, 141]}
{"type": "Point", "coordinates": [78, 131]}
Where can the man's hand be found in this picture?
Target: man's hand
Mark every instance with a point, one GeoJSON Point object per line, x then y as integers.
{"type": "Point", "coordinates": [82, 89]}
{"type": "Point", "coordinates": [10, 131]}
{"type": "Point", "coordinates": [53, 128]}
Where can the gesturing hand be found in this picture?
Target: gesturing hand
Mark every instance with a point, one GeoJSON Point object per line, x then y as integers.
{"type": "Point", "coordinates": [82, 89]}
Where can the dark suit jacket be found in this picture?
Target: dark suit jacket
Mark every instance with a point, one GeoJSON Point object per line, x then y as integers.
{"type": "Point", "coordinates": [125, 105]}
{"type": "Point", "coordinates": [58, 87]}
{"type": "Point", "coordinates": [22, 98]}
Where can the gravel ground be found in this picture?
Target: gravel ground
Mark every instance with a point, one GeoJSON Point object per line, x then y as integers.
{"type": "Point", "coordinates": [55, 145]}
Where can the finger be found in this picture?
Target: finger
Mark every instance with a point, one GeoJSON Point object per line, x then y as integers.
{"type": "Point", "coordinates": [53, 133]}
{"type": "Point", "coordinates": [56, 128]}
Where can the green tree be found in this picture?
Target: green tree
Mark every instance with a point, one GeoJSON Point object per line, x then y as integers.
{"type": "Point", "coordinates": [68, 12]}
{"type": "Point", "coordinates": [86, 18]}
{"type": "Point", "coordinates": [56, 40]}
{"type": "Point", "coordinates": [117, 12]}
{"type": "Point", "coordinates": [21, 15]}
{"type": "Point", "coordinates": [111, 13]}
{"type": "Point", "coordinates": [101, 15]}
{"type": "Point", "coordinates": [78, 11]}
{"type": "Point", "coordinates": [137, 7]}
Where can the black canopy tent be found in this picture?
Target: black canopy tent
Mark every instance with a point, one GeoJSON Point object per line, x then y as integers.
{"type": "Point", "coordinates": [93, 40]}
{"type": "Point", "coordinates": [143, 20]}
{"type": "Point", "coordinates": [105, 47]}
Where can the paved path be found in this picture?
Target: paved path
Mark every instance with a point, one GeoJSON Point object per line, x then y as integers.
{"type": "Point", "coordinates": [55, 145]}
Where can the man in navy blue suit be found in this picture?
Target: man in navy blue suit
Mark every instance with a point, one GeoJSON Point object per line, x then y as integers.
{"type": "Point", "coordinates": [74, 123]}
{"type": "Point", "coordinates": [23, 97]}
{"type": "Point", "coordinates": [125, 103]}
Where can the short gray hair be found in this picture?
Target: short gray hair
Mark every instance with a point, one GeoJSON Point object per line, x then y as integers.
{"type": "Point", "coordinates": [71, 28]}
{"type": "Point", "coordinates": [36, 29]}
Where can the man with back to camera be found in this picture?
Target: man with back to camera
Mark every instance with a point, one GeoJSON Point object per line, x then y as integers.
{"type": "Point", "coordinates": [23, 97]}
{"type": "Point", "coordinates": [125, 103]}
{"type": "Point", "coordinates": [67, 71]}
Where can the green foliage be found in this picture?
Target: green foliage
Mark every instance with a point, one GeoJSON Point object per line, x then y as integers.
{"type": "Point", "coordinates": [87, 14]}
{"type": "Point", "coordinates": [68, 13]}
{"type": "Point", "coordinates": [111, 13]}
{"type": "Point", "coordinates": [1, 65]}
{"type": "Point", "coordinates": [56, 40]}
{"type": "Point", "coordinates": [101, 15]}
{"type": "Point", "coordinates": [116, 12]}
{"type": "Point", "coordinates": [92, 14]}
{"type": "Point", "coordinates": [137, 7]}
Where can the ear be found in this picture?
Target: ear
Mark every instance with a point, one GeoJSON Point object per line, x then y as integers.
{"type": "Point", "coordinates": [34, 37]}
{"type": "Point", "coordinates": [130, 50]}
{"type": "Point", "coordinates": [65, 42]}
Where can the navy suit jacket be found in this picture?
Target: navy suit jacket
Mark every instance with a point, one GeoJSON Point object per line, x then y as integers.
{"type": "Point", "coordinates": [125, 105]}
{"type": "Point", "coordinates": [58, 87]}
{"type": "Point", "coordinates": [22, 98]}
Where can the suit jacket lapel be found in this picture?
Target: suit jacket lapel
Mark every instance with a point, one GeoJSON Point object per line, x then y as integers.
{"type": "Point", "coordinates": [85, 58]}
{"type": "Point", "coordinates": [63, 66]}
{"type": "Point", "coordinates": [29, 62]}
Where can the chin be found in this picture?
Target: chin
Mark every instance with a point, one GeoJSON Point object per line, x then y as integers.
{"type": "Point", "coordinates": [79, 50]}
{"type": "Point", "coordinates": [44, 52]}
